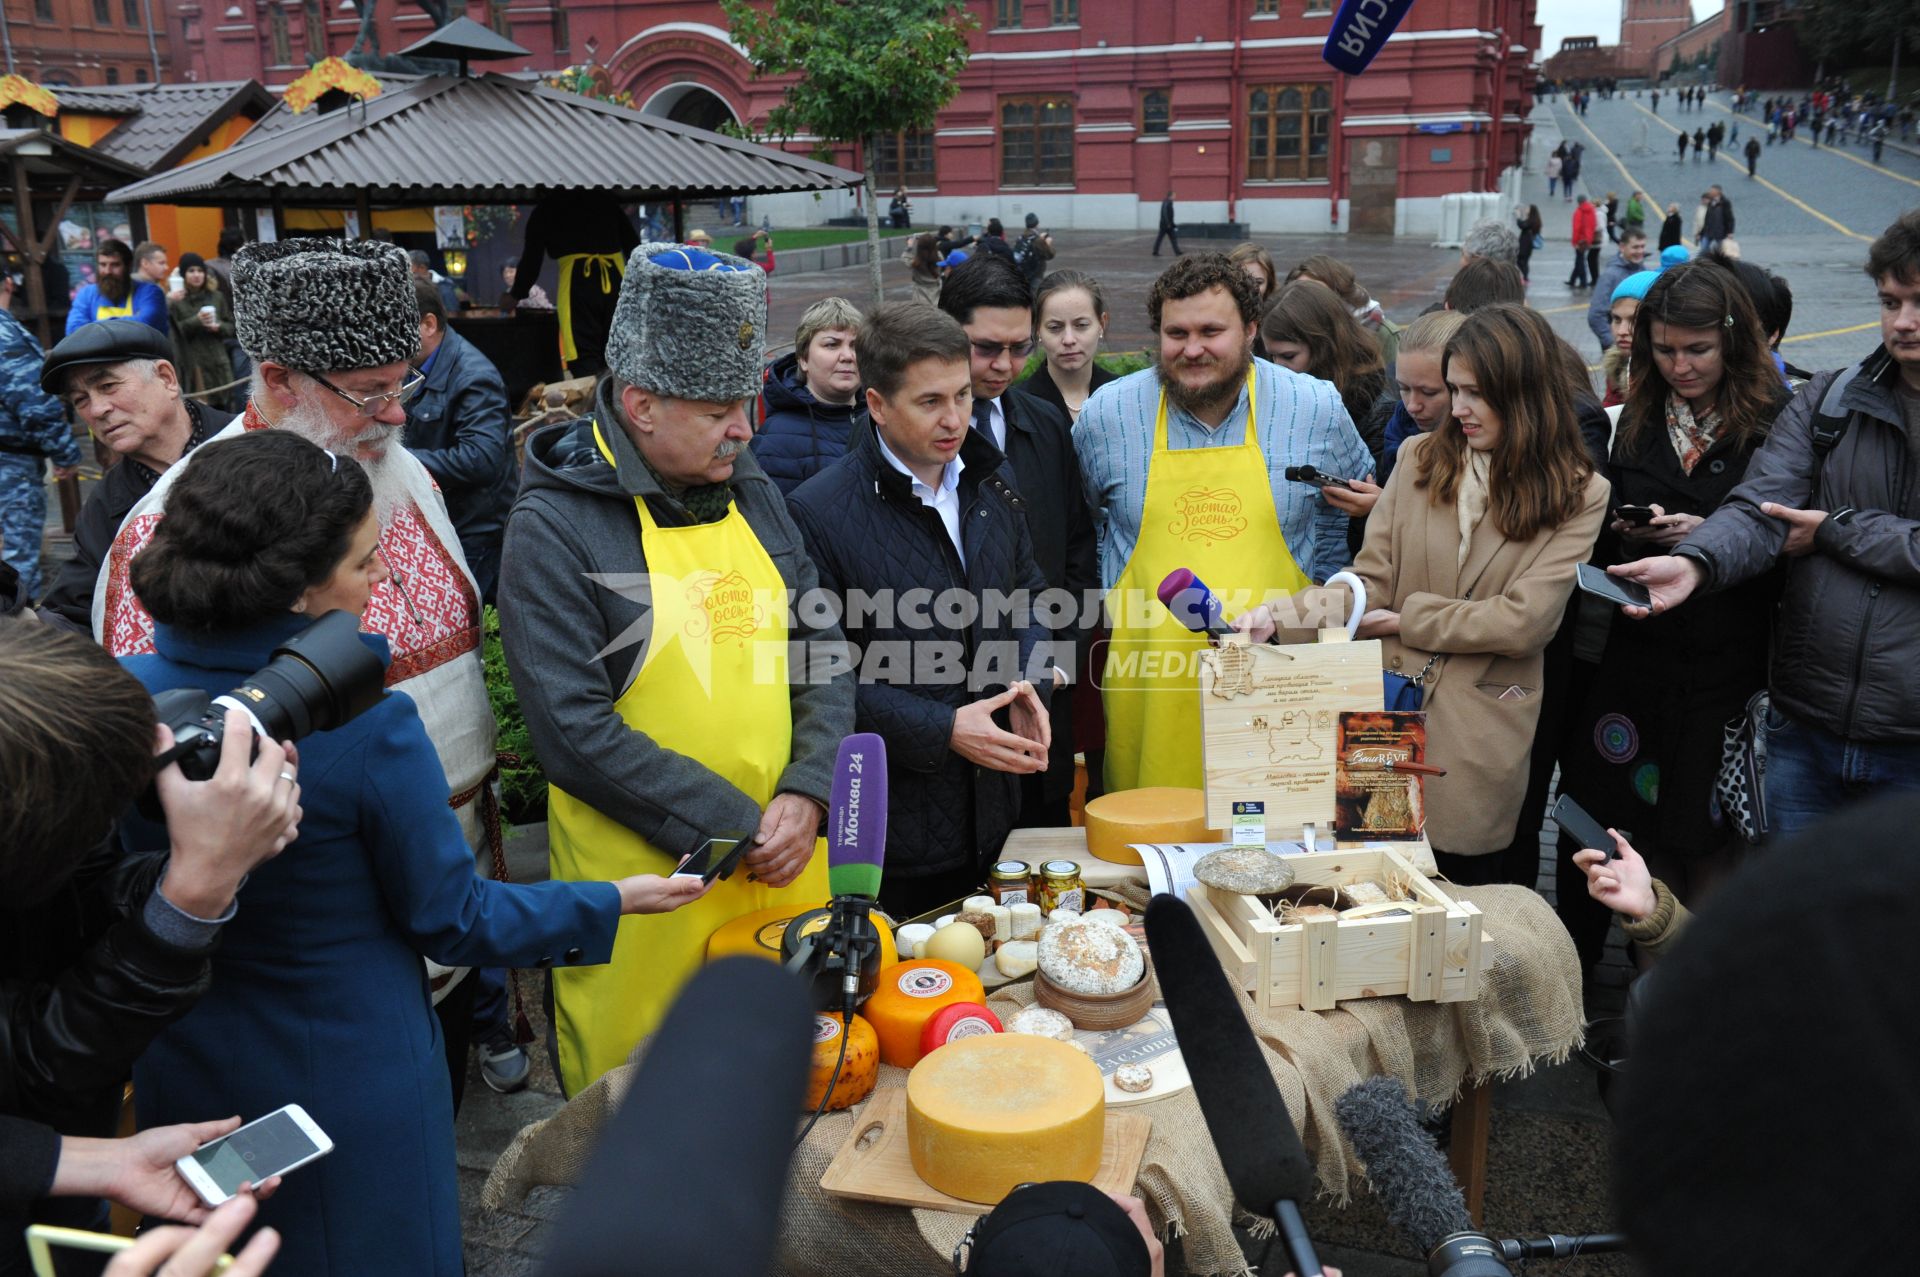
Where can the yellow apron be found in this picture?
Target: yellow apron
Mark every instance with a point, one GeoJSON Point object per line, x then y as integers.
{"type": "Point", "coordinates": [713, 687]}
{"type": "Point", "coordinates": [1210, 510]}
{"type": "Point", "coordinates": [123, 311]}
{"type": "Point", "coordinates": [611, 265]}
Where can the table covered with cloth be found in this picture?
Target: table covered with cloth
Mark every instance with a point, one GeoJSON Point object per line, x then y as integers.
{"type": "Point", "coordinates": [1528, 1013]}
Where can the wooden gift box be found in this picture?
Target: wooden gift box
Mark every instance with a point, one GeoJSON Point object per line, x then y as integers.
{"type": "Point", "coordinates": [1432, 954]}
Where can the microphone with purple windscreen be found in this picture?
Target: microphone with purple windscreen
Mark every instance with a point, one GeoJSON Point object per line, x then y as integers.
{"type": "Point", "coordinates": [1192, 603]}
{"type": "Point", "coordinates": [857, 820]}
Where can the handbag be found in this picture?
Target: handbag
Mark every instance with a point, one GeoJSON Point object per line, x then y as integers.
{"type": "Point", "coordinates": [1741, 786]}
{"type": "Point", "coordinates": [1539, 241]}
{"type": "Point", "coordinates": [1399, 692]}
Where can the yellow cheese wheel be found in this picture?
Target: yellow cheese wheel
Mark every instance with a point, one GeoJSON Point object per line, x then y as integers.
{"type": "Point", "coordinates": [908, 995]}
{"type": "Point", "coordinates": [858, 1070]}
{"type": "Point", "coordinates": [987, 1113]}
{"type": "Point", "coordinates": [1145, 815]}
{"type": "Point", "coordinates": [758, 934]}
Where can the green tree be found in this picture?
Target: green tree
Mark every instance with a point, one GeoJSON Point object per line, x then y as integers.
{"type": "Point", "coordinates": [863, 68]}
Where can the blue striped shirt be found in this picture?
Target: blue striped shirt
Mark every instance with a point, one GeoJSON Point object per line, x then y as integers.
{"type": "Point", "coordinates": [1302, 422]}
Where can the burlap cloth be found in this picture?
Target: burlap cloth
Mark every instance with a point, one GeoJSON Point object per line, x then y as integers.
{"type": "Point", "coordinates": [1529, 1011]}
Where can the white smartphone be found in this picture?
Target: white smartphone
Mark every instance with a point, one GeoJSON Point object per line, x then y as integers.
{"type": "Point", "coordinates": [283, 1140]}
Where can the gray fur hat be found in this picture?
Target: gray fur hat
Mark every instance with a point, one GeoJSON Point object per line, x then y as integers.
{"type": "Point", "coordinates": [326, 305]}
{"type": "Point", "coordinates": [690, 324]}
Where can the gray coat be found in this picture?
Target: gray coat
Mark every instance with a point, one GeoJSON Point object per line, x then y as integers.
{"type": "Point", "coordinates": [1602, 302]}
{"type": "Point", "coordinates": [575, 516]}
{"type": "Point", "coordinates": [1846, 643]}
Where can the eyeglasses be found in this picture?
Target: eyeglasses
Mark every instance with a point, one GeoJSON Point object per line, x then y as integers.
{"type": "Point", "coordinates": [373, 405]}
{"type": "Point", "coordinates": [994, 349]}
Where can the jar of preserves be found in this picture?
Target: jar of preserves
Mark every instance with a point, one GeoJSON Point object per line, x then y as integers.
{"type": "Point", "coordinates": [1010, 883]}
{"type": "Point", "coordinates": [1061, 887]}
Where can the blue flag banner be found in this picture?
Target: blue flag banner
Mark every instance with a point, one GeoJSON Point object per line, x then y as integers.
{"type": "Point", "coordinates": [1359, 32]}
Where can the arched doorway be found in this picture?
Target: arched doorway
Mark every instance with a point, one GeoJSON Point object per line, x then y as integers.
{"type": "Point", "coordinates": [690, 104]}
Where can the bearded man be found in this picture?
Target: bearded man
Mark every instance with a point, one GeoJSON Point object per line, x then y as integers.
{"type": "Point", "coordinates": [1184, 466]}
{"type": "Point", "coordinates": [115, 293]}
{"type": "Point", "coordinates": [332, 327]}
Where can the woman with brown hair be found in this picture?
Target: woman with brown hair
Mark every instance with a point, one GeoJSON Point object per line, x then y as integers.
{"type": "Point", "coordinates": [922, 260]}
{"type": "Point", "coordinates": [1070, 321]}
{"type": "Point", "coordinates": [1311, 331]}
{"type": "Point", "coordinates": [1339, 276]}
{"type": "Point", "coordinates": [1469, 560]}
{"type": "Point", "coordinates": [1257, 262]}
{"type": "Point", "coordinates": [1703, 396]}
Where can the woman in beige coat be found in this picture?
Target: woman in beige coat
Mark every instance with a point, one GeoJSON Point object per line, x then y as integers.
{"type": "Point", "coordinates": [1468, 561]}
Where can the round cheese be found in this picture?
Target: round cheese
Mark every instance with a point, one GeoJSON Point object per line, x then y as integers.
{"type": "Point", "coordinates": [1085, 957]}
{"type": "Point", "coordinates": [859, 1068]}
{"type": "Point", "coordinates": [758, 934]}
{"type": "Point", "coordinates": [1016, 958]}
{"type": "Point", "coordinates": [1041, 1022]}
{"type": "Point", "coordinates": [958, 942]}
{"type": "Point", "coordinates": [908, 995]}
{"type": "Point", "coordinates": [1145, 815]}
{"type": "Point", "coordinates": [951, 1023]}
{"type": "Point", "coordinates": [988, 1113]}
{"type": "Point", "coordinates": [1026, 920]}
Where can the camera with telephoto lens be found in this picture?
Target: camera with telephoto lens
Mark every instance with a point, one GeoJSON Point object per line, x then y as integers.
{"type": "Point", "coordinates": [318, 679]}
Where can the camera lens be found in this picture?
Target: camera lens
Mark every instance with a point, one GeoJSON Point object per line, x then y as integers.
{"type": "Point", "coordinates": [317, 680]}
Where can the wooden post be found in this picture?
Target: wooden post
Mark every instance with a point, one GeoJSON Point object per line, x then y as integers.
{"type": "Point", "coordinates": [279, 217]}
{"type": "Point", "coordinates": [679, 222]}
{"type": "Point", "coordinates": [363, 210]}
{"type": "Point", "coordinates": [1472, 1119]}
{"type": "Point", "coordinates": [25, 241]}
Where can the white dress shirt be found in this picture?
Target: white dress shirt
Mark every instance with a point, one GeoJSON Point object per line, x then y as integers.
{"type": "Point", "coordinates": [944, 500]}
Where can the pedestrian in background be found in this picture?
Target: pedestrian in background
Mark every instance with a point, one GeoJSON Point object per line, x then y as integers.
{"type": "Point", "coordinates": [1753, 154]}
{"type": "Point", "coordinates": [1586, 243]}
{"type": "Point", "coordinates": [1528, 221]}
{"type": "Point", "coordinates": [1168, 231]}
{"type": "Point", "coordinates": [1670, 228]}
{"type": "Point", "coordinates": [1554, 164]}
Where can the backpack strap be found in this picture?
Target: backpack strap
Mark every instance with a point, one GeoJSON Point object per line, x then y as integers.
{"type": "Point", "coordinates": [1831, 421]}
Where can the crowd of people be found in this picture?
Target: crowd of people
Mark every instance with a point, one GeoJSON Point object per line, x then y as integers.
{"type": "Point", "coordinates": [941, 520]}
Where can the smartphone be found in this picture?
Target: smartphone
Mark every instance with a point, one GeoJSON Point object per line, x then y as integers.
{"type": "Point", "coordinates": [283, 1140]}
{"type": "Point", "coordinates": [1636, 514]}
{"type": "Point", "coordinates": [1619, 589]}
{"type": "Point", "coordinates": [714, 858]}
{"type": "Point", "coordinates": [1307, 474]}
{"type": "Point", "coordinates": [44, 1240]}
{"type": "Point", "coordinates": [1582, 828]}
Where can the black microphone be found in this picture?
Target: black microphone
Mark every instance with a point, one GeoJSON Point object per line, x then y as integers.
{"type": "Point", "coordinates": [1247, 1119]}
{"type": "Point", "coordinates": [1413, 1180]}
{"type": "Point", "coordinates": [688, 1176]}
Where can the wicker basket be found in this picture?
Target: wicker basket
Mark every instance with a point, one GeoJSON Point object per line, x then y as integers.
{"type": "Point", "coordinates": [1098, 1010]}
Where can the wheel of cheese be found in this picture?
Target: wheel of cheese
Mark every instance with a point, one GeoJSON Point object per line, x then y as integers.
{"type": "Point", "coordinates": [1145, 815]}
{"type": "Point", "coordinates": [858, 1071]}
{"type": "Point", "coordinates": [988, 1113]}
{"type": "Point", "coordinates": [908, 995]}
{"type": "Point", "coordinates": [951, 1023]}
{"type": "Point", "coordinates": [758, 934]}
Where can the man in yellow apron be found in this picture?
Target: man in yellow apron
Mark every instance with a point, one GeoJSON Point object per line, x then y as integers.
{"type": "Point", "coordinates": [650, 586]}
{"type": "Point", "coordinates": [1184, 467]}
{"type": "Point", "coordinates": [588, 235]}
{"type": "Point", "coordinates": [116, 293]}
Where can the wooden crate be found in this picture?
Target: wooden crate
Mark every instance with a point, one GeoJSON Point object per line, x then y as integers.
{"type": "Point", "coordinates": [1269, 720]}
{"type": "Point", "coordinates": [1433, 954]}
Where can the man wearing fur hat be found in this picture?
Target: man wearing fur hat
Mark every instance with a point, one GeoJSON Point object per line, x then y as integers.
{"type": "Point", "coordinates": [645, 602]}
{"type": "Point", "coordinates": [332, 327]}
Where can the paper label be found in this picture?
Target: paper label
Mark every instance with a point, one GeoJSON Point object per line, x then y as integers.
{"type": "Point", "coordinates": [1249, 824]}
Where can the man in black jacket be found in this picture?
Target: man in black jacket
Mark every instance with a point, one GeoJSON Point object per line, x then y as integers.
{"type": "Point", "coordinates": [98, 951]}
{"type": "Point", "coordinates": [460, 428]}
{"type": "Point", "coordinates": [1831, 492]}
{"type": "Point", "coordinates": [957, 683]}
{"type": "Point", "coordinates": [1718, 224]}
{"type": "Point", "coordinates": [994, 305]}
{"type": "Point", "coordinates": [120, 381]}
{"type": "Point", "coordinates": [1168, 230]}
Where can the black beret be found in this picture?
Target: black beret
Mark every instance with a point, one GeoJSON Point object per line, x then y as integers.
{"type": "Point", "coordinates": [104, 341]}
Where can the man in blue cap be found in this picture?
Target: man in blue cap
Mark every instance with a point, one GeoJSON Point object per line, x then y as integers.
{"type": "Point", "coordinates": [120, 380]}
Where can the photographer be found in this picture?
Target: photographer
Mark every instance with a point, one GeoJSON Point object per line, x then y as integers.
{"type": "Point", "coordinates": [265, 532]}
{"type": "Point", "coordinates": [100, 952]}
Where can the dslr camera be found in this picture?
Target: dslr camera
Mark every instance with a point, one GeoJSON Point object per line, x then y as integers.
{"type": "Point", "coordinates": [318, 679]}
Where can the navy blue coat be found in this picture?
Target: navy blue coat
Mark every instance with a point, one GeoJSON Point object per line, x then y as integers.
{"type": "Point", "coordinates": [460, 428]}
{"type": "Point", "coordinates": [866, 531]}
{"type": "Point", "coordinates": [319, 997]}
{"type": "Point", "coordinates": [800, 436]}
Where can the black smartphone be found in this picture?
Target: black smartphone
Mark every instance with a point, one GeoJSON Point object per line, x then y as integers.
{"type": "Point", "coordinates": [1636, 514]}
{"type": "Point", "coordinates": [714, 858]}
{"type": "Point", "coordinates": [1618, 589]}
{"type": "Point", "coordinates": [1582, 828]}
{"type": "Point", "coordinates": [1307, 474]}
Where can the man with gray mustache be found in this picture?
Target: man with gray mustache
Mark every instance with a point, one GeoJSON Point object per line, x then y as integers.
{"type": "Point", "coordinates": [644, 603]}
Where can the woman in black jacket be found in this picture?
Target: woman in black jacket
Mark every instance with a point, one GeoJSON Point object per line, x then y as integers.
{"type": "Point", "coordinates": [1671, 230]}
{"type": "Point", "coordinates": [1529, 224]}
{"type": "Point", "coordinates": [1070, 320]}
{"type": "Point", "coordinates": [1703, 397]}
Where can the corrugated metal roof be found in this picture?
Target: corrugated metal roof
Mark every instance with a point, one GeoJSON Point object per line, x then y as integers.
{"type": "Point", "coordinates": [484, 139]}
{"type": "Point", "coordinates": [53, 159]}
{"type": "Point", "coordinates": [167, 120]}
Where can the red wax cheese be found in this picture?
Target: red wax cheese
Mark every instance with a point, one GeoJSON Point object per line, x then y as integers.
{"type": "Point", "coordinates": [909, 995]}
{"type": "Point", "coordinates": [961, 1020]}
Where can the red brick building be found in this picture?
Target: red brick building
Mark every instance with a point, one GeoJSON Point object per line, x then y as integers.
{"type": "Point", "coordinates": [87, 42]}
{"type": "Point", "coordinates": [1083, 111]}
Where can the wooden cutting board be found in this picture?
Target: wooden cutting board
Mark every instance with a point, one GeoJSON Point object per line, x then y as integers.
{"type": "Point", "coordinates": [874, 1166]}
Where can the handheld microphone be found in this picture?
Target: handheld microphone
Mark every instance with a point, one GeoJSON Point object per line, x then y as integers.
{"type": "Point", "coordinates": [1360, 31]}
{"type": "Point", "coordinates": [1413, 1180]}
{"type": "Point", "coordinates": [842, 959]}
{"type": "Point", "coordinates": [1247, 1119]}
{"type": "Point", "coordinates": [693, 1187]}
{"type": "Point", "coordinates": [1192, 603]}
